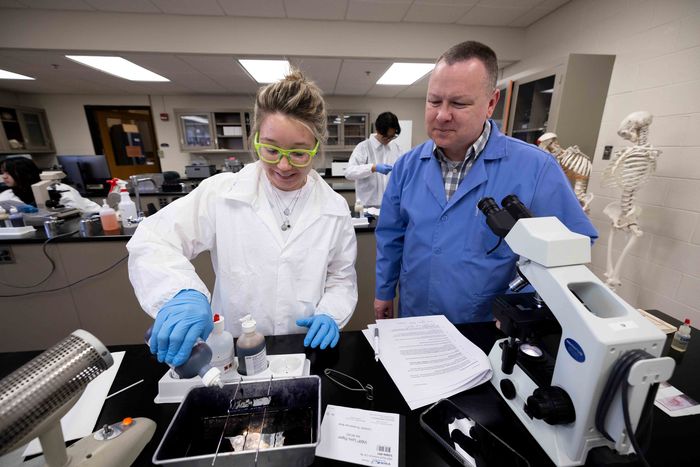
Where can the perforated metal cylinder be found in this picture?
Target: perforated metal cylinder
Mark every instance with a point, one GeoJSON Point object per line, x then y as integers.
{"type": "Point", "coordinates": [36, 390]}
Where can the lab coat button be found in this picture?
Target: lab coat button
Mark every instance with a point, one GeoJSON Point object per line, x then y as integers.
{"type": "Point", "coordinates": [443, 218]}
{"type": "Point", "coordinates": [437, 251]}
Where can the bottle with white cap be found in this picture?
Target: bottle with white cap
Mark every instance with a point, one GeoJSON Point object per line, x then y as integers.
{"type": "Point", "coordinates": [127, 208]}
{"type": "Point", "coordinates": [199, 363]}
{"type": "Point", "coordinates": [251, 349]}
{"type": "Point", "coordinates": [221, 343]}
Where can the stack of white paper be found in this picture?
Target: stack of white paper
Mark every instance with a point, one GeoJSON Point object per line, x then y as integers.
{"type": "Point", "coordinates": [428, 358]}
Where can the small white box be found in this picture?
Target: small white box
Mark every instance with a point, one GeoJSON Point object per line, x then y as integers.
{"type": "Point", "coordinates": [233, 131]}
{"type": "Point", "coordinates": [16, 232]}
{"type": "Point", "coordinates": [338, 168]}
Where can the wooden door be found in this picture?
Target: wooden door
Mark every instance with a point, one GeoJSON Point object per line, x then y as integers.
{"type": "Point", "coordinates": [128, 141]}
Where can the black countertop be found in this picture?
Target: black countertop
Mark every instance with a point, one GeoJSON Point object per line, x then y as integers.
{"type": "Point", "coordinates": [672, 441]}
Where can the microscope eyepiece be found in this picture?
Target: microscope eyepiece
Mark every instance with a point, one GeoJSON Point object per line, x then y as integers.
{"type": "Point", "coordinates": [488, 206]}
{"type": "Point", "coordinates": [515, 207]}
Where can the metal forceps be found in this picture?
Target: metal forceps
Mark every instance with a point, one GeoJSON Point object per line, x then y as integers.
{"type": "Point", "coordinates": [228, 414]}
{"type": "Point", "coordinates": [335, 375]}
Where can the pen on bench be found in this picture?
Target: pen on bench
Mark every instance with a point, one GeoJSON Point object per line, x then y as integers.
{"type": "Point", "coordinates": [376, 344]}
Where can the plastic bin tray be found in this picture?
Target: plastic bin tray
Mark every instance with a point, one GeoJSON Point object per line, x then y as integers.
{"type": "Point", "coordinates": [286, 411]}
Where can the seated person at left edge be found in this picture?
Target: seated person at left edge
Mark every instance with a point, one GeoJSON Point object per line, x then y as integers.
{"type": "Point", "coordinates": [281, 240]}
{"type": "Point", "coordinates": [20, 173]}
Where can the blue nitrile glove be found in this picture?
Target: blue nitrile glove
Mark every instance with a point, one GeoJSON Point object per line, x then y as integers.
{"type": "Point", "coordinates": [322, 330]}
{"type": "Point", "coordinates": [179, 323]}
{"type": "Point", "coordinates": [383, 168]}
{"type": "Point", "coordinates": [27, 208]}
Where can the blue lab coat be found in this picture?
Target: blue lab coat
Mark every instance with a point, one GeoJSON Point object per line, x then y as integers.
{"type": "Point", "coordinates": [436, 249]}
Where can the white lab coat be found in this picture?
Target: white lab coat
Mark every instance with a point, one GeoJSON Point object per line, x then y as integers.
{"type": "Point", "coordinates": [70, 198]}
{"type": "Point", "coordinates": [370, 186]}
{"type": "Point", "coordinates": [257, 272]}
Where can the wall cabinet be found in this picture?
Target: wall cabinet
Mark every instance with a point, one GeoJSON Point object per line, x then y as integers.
{"type": "Point", "coordinates": [225, 130]}
{"type": "Point", "coordinates": [23, 129]}
{"type": "Point", "coordinates": [567, 99]}
{"type": "Point", "coordinates": [347, 129]}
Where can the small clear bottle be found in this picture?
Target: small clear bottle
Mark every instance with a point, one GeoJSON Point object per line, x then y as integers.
{"type": "Point", "coordinates": [359, 208]}
{"type": "Point", "coordinates": [197, 364]}
{"type": "Point", "coordinates": [221, 343]}
{"type": "Point", "coordinates": [682, 337]}
{"type": "Point", "coordinates": [251, 349]}
{"type": "Point", "coordinates": [108, 218]}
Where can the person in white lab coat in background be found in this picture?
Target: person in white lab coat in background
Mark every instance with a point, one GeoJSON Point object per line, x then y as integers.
{"type": "Point", "coordinates": [281, 240]}
{"type": "Point", "coordinates": [20, 173]}
{"type": "Point", "coordinates": [372, 160]}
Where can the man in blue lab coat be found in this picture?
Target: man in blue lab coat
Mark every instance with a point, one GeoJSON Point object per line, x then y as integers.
{"type": "Point", "coordinates": [432, 240]}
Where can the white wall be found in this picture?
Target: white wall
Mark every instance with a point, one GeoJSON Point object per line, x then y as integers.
{"type": "Point", "coordinates": [68, 123]}
{"type": "Point", "coordinates": [657, 44]}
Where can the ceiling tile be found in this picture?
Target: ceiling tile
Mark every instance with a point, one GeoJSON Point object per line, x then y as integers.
{"type": "Point", "coordinates": [529, 18]}
{"type": "Point", "coordinates": [323, 71]}
{"type": "Point", "coordinates": [447, 2]}
{"type": "Point", "coordinates": [254, 8]}
{"type": "Point", "coordinates": [123, 6]}
{"type": "Point", "coordinates": [189, 7]}
{"type": "Point", "coordinates": [79, 5]}
{"type": "Point", "coordinates": [354, 78]}
{"type": "Point", "coordinates": [435, 13]}
{"type": "Point", "coordinates": [237, 84]}
{"type": "Point", "coordinates": [12, 4]}
{"type": "Point", "coordinates": [510, 3]}
{"type": "Point", "coordinates": [418, 89]}
{"type": "Point", "coordinates": [163, 64]}
{"type": "Point", "coordinates": [369, 10]}
{"type": "Point", "coordinates": [386, 91]}
{"type": "Point", "coordinates": [492, 16]}
{"type": "Point", "coordinates": [213, 63]}
{"type": "Point", "coordinates": [316, 9]}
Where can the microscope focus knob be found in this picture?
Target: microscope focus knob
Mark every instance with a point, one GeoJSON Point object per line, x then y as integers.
{"type": "Point", "coordinates": [551, 404]}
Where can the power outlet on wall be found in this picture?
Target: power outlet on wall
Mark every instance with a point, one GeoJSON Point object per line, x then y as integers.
{"type": "Point", "coordinates": [607, 151]}
{"type": "Point", "coordinates": [6, 256]}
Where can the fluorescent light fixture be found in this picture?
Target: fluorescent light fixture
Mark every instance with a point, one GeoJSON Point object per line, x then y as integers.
{"type": "Point", "coordinates": [266, 71]}
{"type": "Point", "coordinates": [405, 73]}
{"type": "Point", "coordinates": [118, 66]}
{"type": "Point", "coordinates": [4, 74]}
{"type": "Point", "coordinates": [547, 91]}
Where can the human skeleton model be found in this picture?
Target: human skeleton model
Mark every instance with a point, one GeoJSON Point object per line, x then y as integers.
{"type": "Point", "coordinates": [631, 168]}
{"type": "Point", "coordinates": [576, 165]}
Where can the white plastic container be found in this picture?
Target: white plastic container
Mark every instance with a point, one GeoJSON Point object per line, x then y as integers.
{"type": "Point", "coordinates": [108, 218]}
{"type": "Point", "coordinates": [221, 343]}
{"type": "Point", "coordinates": [682, 337]}
{"type": "Point", "coordinates": [127, 208]}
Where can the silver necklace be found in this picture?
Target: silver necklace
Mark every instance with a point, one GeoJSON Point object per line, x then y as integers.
{"type": "Point", "coordinates": [288, 210]}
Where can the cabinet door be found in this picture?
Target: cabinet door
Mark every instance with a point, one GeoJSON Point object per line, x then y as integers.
{"type": "Point", "coordinates": [355, 128]}
{"type": "Point", "coordinates": [334, 124]}
{"type": "Point", "coordinates": [13, 140]}
{"type": "Point", "coordinates": [230, 130]}
{"type": "Point", "coordinates": [35, 130]}
{"type": "Point", "coordinates": [195, 130]}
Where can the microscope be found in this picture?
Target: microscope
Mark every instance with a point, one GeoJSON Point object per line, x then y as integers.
{"type": "Point", "coordinates": [580, 366]}
{"type": "Point", "coordinates": [48, 196]}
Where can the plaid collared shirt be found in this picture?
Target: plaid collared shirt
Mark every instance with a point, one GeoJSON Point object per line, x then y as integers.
{"type": "Point", "coordinates": [453, 172]}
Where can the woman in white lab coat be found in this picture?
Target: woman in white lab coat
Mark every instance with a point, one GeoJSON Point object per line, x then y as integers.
{"type": "Point", "coordinates": [20, 173]}
{"type": "Point", "coordinates": [281, 240]}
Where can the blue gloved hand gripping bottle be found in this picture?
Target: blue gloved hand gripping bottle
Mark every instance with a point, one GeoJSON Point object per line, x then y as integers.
{"type": "Point", "coordinates": [197, 364]}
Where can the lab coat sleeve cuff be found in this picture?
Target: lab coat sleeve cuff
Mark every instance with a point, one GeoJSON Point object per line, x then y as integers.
{"type": "Point", "coordinates": [153, 309]}
{"type": "Point", "coordinates": [384, 294]}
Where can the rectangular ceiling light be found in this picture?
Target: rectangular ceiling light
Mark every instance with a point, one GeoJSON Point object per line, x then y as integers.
{"type": "Point", "coordinates": [119, 67]}
{"type": "Point", "coordinates": [405, 73]}
{"type": "Point", "coordinates": [266, 71]}
{"type": "Point", "coordinates": [4, 74]}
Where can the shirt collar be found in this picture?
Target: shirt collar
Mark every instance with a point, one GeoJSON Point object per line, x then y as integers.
{"type": "Point", "coordinates": [478, 146]}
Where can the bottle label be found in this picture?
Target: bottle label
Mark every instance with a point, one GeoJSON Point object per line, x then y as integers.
{"type": "Point", "coordinates": [257, 363]}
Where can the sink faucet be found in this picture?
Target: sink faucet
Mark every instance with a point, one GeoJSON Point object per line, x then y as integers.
{"type": "Point", "coordinates": [135, 182]}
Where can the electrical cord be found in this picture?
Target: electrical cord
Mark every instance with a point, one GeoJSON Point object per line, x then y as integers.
{"type": "Point", "coordinates": [53, 268]}
{"type": "Point", "coordinates": [618, 381]}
